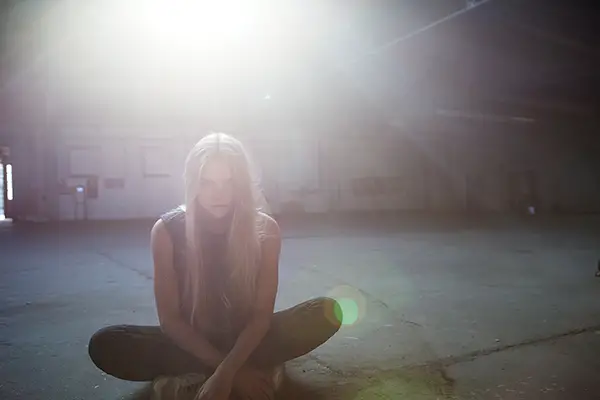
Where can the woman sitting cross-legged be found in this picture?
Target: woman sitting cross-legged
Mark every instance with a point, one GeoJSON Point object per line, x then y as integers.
{"type": "Point", "coordinates": [215, 282]}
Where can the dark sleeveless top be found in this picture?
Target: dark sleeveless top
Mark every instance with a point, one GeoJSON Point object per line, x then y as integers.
{"type": "Point", "coordinates": [225, 323]}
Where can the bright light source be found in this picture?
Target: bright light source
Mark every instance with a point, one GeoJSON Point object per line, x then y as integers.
{"type": "Point", "coordinates": [174, 56]}
{"type": "Point", "coordinates": [173, 25]}
{"type": "Point", "coordinates": [267, 97]}
{"type": "Point", "coordinates": [9, 182]}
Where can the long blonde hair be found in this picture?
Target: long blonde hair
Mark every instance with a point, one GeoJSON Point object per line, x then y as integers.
{"type": "Point", "coordinates": [245, 233]}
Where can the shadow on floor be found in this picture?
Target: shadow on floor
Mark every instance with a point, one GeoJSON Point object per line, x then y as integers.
{"type": "Point", "coordinates": [291, 391]}
{"type": "Point", "coordinates": [406, 383]}
{"type": "Point", "coordinates": [142, 394]}
{"type": "Point", "coordinates": [422, 383]}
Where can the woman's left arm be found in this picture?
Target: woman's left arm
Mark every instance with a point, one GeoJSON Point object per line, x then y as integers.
{"type": "Point", "coordinates": [266, 291]}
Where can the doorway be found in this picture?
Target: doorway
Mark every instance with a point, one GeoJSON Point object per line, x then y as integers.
{"type": "Point", "coordinates": [2, 215]}
{"type": "Point", "coordinates": [523, 191]}
{"type": "Point", "coordinates": [6, 185]}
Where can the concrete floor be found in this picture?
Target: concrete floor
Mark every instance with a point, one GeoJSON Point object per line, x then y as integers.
{"type": "Point", "coordinates": [447, 308]}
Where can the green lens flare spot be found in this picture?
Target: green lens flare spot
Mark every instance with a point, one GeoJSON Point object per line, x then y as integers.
{"type": "Point", "coordinates": [347, 311]}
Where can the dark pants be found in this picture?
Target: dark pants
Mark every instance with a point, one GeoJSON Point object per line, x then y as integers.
{"type": "Point", "coordinates": [142, 353]}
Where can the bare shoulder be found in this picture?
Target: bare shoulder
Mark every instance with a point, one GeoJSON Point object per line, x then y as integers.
{"type": "Point", "coordinates": [270, 225]}
{"type": "Point", "coordinates": [159, 236]}
{"type": "Point", "coordinates": [270, 241]}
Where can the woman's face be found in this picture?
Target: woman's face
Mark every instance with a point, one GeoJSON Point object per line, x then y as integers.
{"type": "Point", "coordinates": [216, 187]}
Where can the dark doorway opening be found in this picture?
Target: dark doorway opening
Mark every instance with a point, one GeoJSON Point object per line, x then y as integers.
{"type": "Point", "coordinates": [523, 191]}
{"type": "Point", "coordinates": [6, 185]}
{"type": "Point", "coordinates": [2, 199]}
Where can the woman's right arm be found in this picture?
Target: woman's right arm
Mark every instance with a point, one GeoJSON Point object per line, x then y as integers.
{"type": "Point", "coordinates": [166, 294]}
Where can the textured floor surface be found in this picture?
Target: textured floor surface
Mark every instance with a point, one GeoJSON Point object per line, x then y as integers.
{"type": "Point", "coordinates": [437, 308]}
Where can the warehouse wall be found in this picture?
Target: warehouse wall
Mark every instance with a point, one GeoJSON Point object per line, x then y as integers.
{"type": "Point", "coordinates": [458, 166]}
{"type": "Point", "coordinates": [486, 160]}
{"type": "Point", "coordinates": [139, 173]}
{"type": "Point", "coordinates": [370, 173]}
{"type": "Point", "coordinates": [28, 159]}
{"type": "Point", "coordinates": [576, 166]}
{"type": "Point", "coordinates": [288, 165]}
{"type": "Point", "coordinates": [455, 169]}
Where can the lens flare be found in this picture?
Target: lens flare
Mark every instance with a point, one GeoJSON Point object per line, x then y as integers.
{"type": "Point", "coordinates": [352, 304]}
{"type": "Point", "coordinates": [348, 311]}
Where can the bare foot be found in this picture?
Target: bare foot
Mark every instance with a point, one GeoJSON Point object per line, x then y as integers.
{"type": "Point", "coordinates": [182, 387]}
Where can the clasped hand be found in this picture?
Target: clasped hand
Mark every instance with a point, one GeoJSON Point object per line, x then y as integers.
{"type": "Point", "coordinates": [248, 384]}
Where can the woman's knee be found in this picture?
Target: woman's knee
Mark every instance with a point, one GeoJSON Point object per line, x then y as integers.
{"type": "Point", "coordinates": [332, 311]}
{"type": "Point", "coordinates": [324, 315]}
{"type": "Point", "coordinates": [102, 344]}
{"type": "Point", "coordinates": [314, 320]}
{"type": "Point", "coordinates": [321, 321]}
